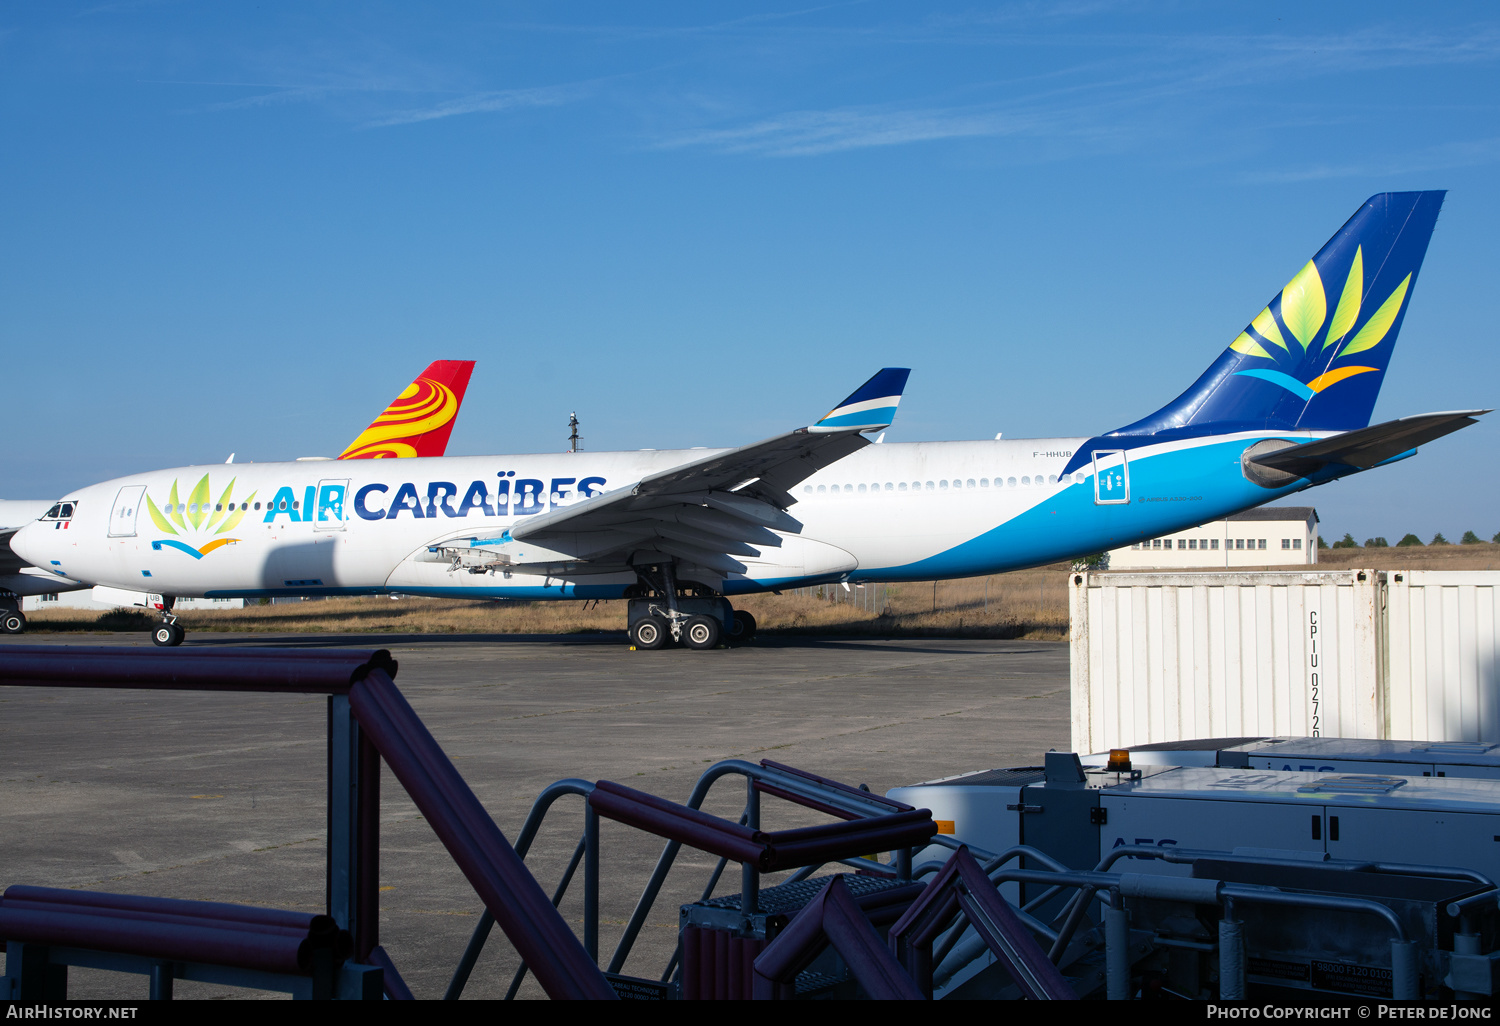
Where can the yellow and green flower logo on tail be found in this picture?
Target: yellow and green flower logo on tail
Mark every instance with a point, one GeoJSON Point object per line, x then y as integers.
{"type": "Point", "coordinates": [1304, 339]}
{"type": "Point", "coordinates": [196, 518]}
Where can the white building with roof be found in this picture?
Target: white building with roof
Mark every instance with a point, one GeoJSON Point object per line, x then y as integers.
{"type": "Point", "coordinates": [1270, 535]}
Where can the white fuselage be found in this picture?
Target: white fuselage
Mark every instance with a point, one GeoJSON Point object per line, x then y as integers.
{"type": "Point", "coordinates": [887, 512]}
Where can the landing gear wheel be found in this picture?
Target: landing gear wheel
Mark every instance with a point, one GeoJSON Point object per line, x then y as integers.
{"type": "Point", "coordinates": [743, 629]}
{"type": "Point", "coordinates": [168, 635]}
{"type": "Point", "coordinates": [649, 632]}
{"type": "Point", "coordinates": [13, 621]}
{"type": "Point", "coordinates": [701, 632]}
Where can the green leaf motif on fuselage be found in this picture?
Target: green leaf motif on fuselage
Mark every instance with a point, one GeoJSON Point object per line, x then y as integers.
{"type": "Point", "coordinates": [160, 521]}
{"type": "Point", "coordinates": [235, 517]}
{"type": "Point", "coordinates": [198, 510]}
{"type": "Point", "coordinates": [175, 507]}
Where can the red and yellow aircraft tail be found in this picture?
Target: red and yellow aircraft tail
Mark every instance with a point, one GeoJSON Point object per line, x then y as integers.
{"type": "Point", "coordinates": [420, 419]}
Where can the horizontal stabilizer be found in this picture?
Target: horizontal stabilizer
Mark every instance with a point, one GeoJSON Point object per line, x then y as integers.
{"type": "Point", "coordinates": [871, 407]}
{"type": "Point", "coordinates": [1369, 446]}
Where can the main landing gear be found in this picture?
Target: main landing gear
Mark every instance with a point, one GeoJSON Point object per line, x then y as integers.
{"type": "Point", "coordinates": [169, 633]}
{"type": "Point", "coordinates": [664, 611]}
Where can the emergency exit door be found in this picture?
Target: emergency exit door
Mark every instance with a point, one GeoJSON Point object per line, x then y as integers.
{"type": "Point", "coordinates": [1111, 477]}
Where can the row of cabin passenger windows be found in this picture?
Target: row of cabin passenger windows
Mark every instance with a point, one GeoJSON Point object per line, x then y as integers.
{"type": "Point", "coordinates": [1191, 544]}
{"type": "Point", "coordinates": [956, 483]}
{"type": "Point", "coordinates": [193, 507]}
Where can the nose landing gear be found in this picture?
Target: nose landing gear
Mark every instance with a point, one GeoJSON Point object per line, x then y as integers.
{"type": "Point", "coordinates": [12, 620]}
{"type": "Point", "coordinates": [169, 633]}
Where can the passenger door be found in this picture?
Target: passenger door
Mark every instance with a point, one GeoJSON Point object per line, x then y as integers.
{"type": "Point", "coordinates": [330, 504]}
{"type": "Point", "coordinates": [1111, 477]}
{"type": "Point", "coordinates": [122, 515]}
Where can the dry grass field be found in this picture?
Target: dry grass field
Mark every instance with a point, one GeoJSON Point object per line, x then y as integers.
{"type": "Point", "coordinates": [1484, 556]}
{"type": "Point", "coordinates": [1031, 604]}
{"type": "Point", "coordinates": [1026, 604]}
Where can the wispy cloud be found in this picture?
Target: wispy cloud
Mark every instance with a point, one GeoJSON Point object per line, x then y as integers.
{"type": "Point", "coordinates": [806, 133]}
{"type": "Point", "coordinates": [1131, 86]}
{"type": "Point", "coordinates": [488, 102]}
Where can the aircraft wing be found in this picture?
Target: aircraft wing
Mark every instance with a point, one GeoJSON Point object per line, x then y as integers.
{"type": "Point", "coordinates": [704, 512]}
{"type": "Point", "coordinates": [1366, 447]}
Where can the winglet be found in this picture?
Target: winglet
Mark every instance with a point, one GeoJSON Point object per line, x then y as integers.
{"type": "Point", "coordinates": [871, 407]}
{"type": "Point", "coordinates": [420, 419]}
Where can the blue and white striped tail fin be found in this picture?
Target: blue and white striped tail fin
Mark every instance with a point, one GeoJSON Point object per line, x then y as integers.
{"type": "Point", "coordinates": [871, 407]}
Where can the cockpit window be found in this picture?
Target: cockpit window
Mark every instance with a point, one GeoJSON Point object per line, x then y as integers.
{"type": "Point", "coordinates": [60, 511]}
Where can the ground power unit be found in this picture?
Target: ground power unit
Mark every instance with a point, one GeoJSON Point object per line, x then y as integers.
{"type": "Point", "coordinates": [1364, 869]}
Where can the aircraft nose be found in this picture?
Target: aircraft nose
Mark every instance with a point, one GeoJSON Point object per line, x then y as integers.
{"type": "Point", "coordinates": [30, 543]}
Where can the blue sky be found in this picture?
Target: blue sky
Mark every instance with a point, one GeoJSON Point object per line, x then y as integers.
{"type": "Point", "coordinates": [233, 228]}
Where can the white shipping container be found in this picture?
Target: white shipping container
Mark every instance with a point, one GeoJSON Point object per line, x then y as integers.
{"type": "Point", "coordinates": [1327, 653]}
{"type": "Point", "coordinates": [1443, 655]}
{"type": "Point", "coordinates": [1171, 656]}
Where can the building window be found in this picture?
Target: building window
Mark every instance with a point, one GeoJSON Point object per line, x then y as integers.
{"type": "Point", "coordinates": [1213, 543]}
{"type": "Point", "coordinates": [1297, 543]}
{"type": "Point", "coordinates": [1260, 543]}
{"type": "Point", "coordinates": [1286, 543]}
{"type": "Point", "coordinates": [1192, 544]}
{"type": "Point", "coordinates": [1182, 544]}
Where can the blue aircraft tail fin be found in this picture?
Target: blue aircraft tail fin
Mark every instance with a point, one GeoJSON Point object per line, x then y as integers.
{"type": "Point", "coordinates": [1315, 357]}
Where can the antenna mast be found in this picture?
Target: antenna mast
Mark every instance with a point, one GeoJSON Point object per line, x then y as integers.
{"type": "Point", "coordinates": [574, 442]}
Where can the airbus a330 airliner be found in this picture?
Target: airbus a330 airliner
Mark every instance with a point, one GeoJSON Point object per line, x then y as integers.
{"type": "Point", "coordinates": [1285, 407]}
